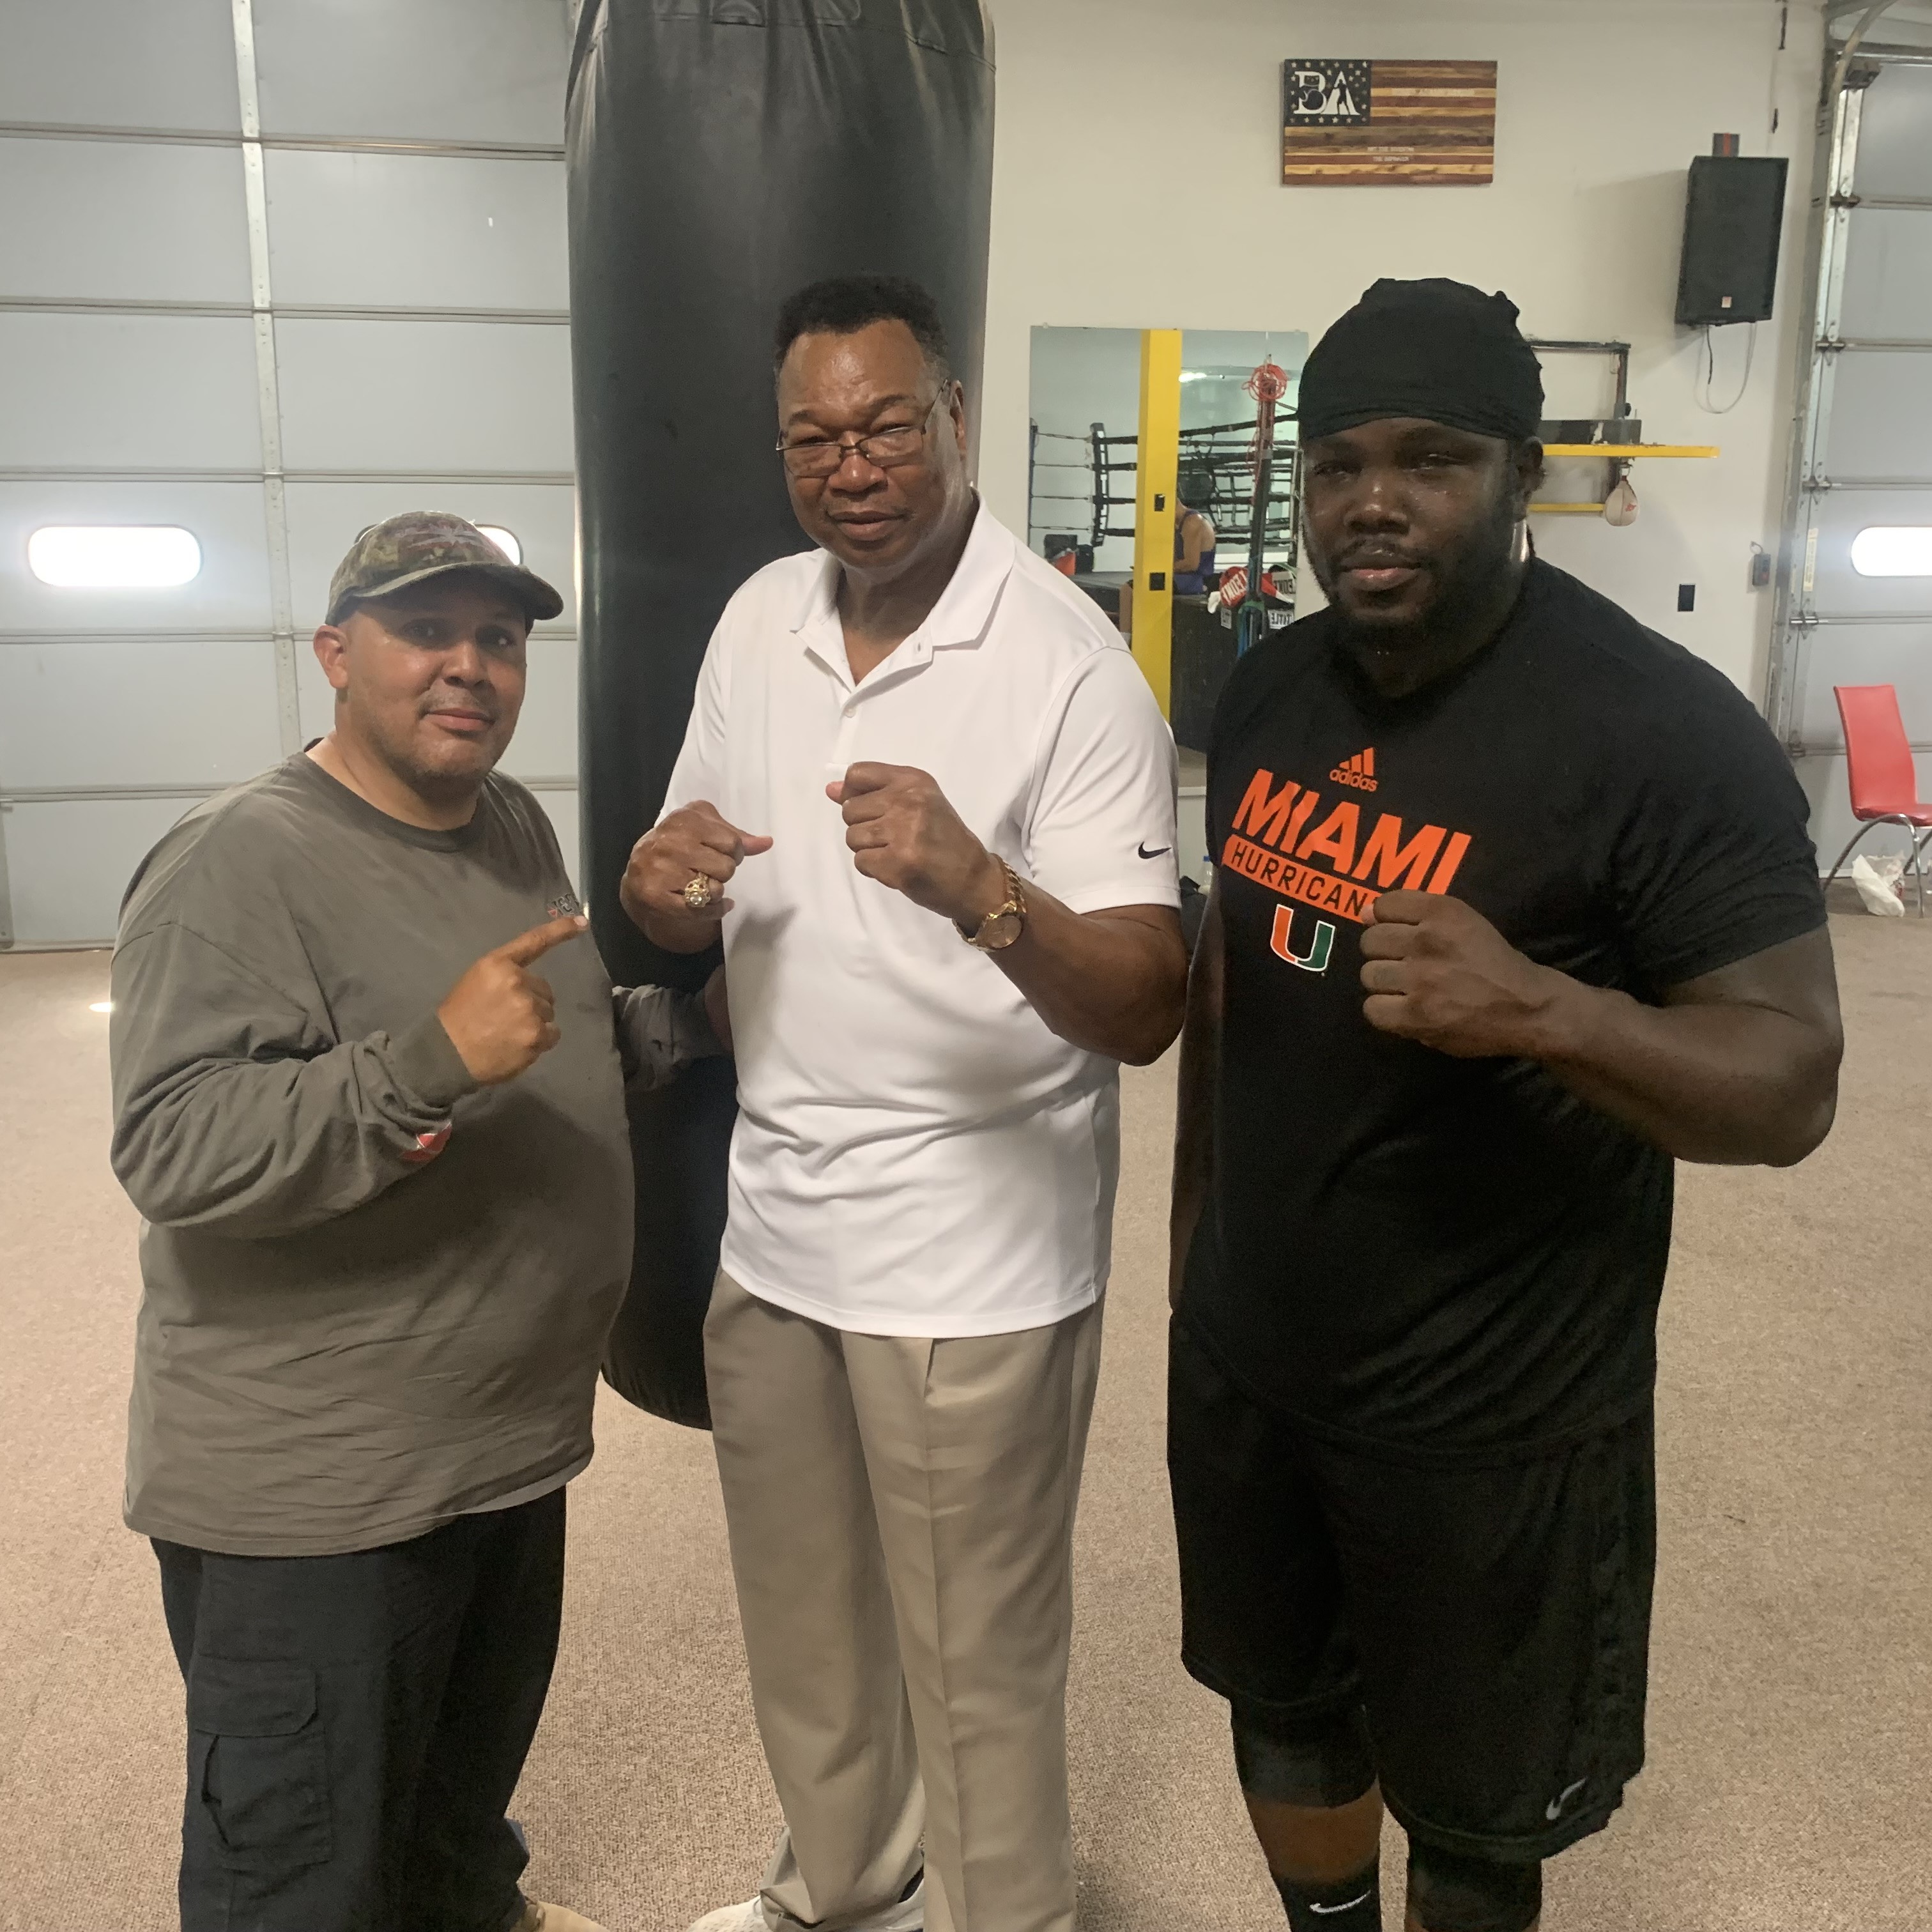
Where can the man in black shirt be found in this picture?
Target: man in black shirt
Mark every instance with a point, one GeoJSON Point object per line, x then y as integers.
{"type": "Point", "coordinates": [1514, 905]}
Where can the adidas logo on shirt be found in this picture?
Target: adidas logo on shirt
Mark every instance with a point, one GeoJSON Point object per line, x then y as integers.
{"type": "Point", "coordinates": [1359, 771]}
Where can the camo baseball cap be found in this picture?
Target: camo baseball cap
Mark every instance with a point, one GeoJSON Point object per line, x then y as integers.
{"type": "Point", "coordinates": [401, 550]}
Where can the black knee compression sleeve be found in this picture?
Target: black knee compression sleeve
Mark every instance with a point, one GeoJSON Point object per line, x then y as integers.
{"type": "Point", "coordinates": [1354, 1905]}
{"type": "Point", "coordinates": [1451, 1892]}
{"type": "Point", "coordinates": [1324, 1761]}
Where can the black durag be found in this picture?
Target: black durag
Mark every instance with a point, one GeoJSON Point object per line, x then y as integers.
{"type": "Point", "coordinates": [1436, 348]}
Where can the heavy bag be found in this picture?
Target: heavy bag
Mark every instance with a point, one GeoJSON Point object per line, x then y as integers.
{"type": "Point", "coordinates": [722, 154]}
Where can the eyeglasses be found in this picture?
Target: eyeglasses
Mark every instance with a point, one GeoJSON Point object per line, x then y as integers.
{"type": "Point", "coordinates": [884, 449]}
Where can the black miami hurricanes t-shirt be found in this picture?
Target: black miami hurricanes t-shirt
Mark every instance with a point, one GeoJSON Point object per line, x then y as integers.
{"type": "Point", "coordinates": [1460, 1255]}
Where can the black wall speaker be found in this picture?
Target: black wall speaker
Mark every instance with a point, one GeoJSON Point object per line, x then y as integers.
{"type": "Point", "coordinates": [1732, 218]}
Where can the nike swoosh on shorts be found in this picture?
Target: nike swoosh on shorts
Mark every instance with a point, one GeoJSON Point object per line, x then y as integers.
{"type": "Point", "coordinates": [1553, 1810]}
{"type": "Point", "coordinates": [1156, 852]}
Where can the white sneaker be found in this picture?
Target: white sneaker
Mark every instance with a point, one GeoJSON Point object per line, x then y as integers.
{"type": "Point", "coordinates": [538, 1917]}
{"type": "Point", "coordinates": [908, 1915]}
{"type": "Point", "coordinates": [749, 1917]}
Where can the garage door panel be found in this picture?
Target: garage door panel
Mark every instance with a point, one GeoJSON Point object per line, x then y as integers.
{"type": "Point", "coordinates": [1887, 290]}
{"type": "Point", "coordinates": [1877, 424]}
{"type": "Point", "coordinates": [174, 690]}
{"type": "Point", "coordinates": [324, 520]}
{"type": "Point", "coordinates": [122, 221]}
{"type": "Point", "coordinates": [1881, 416]}
{"type": "Point", "coordinates": [128, 392]}
{"type": "Point", "coordinates": [1898, 654]}
{"type": "Point", "coordinates": [424, 396]}
{"type": "Point", "coordinates": [135, 712]}
{"type": "Point", "coordinates": [1841, 515]}
{"type": "Point", "coordinates": [545, 745]}
{"type": "Point", "coordinates": [230, 594]}
{"type": "Point", "coordinates": [173, 66]}
{"type": "Point", "coordinates": [68, 865]}
{"type": "Point", "coordinates": [349, 228]}
{"type": "Point", "coordinates": [435, 70]}
{"type": "Point", "coordinates": [1895, 135]}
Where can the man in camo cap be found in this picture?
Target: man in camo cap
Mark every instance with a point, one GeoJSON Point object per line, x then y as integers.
{"type": "Point", "coordinates": [384, 1167]}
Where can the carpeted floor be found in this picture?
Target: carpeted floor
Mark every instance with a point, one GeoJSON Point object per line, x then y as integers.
{"type": "Point", "coordinates": [1791, 1730]}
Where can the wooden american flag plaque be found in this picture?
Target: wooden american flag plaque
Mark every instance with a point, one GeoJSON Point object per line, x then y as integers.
{"type": "Point", "coordinates": [1415, 123]}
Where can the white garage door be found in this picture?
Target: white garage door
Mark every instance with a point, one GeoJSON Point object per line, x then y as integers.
{"type": "Point", "coordinates": [1856, 608]}
{"type": "Point", "coordinates": [268, 273]}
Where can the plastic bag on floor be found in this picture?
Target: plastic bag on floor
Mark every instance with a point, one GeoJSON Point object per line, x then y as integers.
{"type": "Point", "coordinates": [1877, 882]}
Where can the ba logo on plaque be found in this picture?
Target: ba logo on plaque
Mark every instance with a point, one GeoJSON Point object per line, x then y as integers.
{"type": "Point", "coordinates": [1351, 123]}
{"type": "Point", "coordinates": [1325, 93]}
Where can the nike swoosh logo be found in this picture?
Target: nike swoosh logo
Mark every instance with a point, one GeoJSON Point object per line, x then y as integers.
{"type": "Point", "coordinates": [1553, 1810]}
{"type": "Point", "coordinates": [1154, 854]}
{"type": "Point", "coordinates": [1327, 1911]}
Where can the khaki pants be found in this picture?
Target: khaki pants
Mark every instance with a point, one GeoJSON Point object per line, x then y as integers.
{"type": "Point", "coordinates": [901, 1523]}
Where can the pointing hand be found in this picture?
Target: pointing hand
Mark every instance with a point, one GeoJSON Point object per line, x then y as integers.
{"type": "Point", "coordinates": [502, 1017]}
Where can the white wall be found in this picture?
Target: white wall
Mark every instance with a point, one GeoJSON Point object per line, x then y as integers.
{"type": "Point", "coordinates": [1136, 184]}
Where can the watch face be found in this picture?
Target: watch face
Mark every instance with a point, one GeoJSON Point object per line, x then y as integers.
{"type": "Point", "coordinates": [999, 931]}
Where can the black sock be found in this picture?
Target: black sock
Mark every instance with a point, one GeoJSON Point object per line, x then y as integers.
{"type": "Point", "coordinates": [1353, 1905]}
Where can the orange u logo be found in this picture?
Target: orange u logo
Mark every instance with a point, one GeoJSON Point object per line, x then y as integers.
{"type": "Point", "coordinates": [1281, 941]}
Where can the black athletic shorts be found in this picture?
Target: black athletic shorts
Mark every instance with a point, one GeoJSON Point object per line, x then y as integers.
{"type": "Point", "coordinates": [1492, 1620]}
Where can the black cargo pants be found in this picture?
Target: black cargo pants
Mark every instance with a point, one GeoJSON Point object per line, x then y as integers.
{"type": "Point", "coordinates": [356, 1726]}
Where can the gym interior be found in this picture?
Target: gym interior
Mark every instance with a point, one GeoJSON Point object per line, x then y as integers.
{"type": "Point", "coordinates": [271, 271]}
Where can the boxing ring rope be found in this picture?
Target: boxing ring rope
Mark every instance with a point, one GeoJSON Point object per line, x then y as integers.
{"type": "Point", "coordinates": [1226, 451]}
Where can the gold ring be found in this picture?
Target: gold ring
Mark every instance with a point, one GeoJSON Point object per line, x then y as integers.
{"type": "Point", "coordinates": [700, 892]}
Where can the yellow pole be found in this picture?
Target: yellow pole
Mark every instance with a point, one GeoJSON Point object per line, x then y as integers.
{"type": "Point", "coordinates": [1159, 461]}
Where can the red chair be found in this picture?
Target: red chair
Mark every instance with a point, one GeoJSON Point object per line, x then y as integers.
{"type": "Point", "coordinates": [1884, 780]}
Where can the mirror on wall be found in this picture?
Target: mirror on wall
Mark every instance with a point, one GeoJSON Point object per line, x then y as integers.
{"type": "Point", "coordinates": [1216, 561]}
{"type": "Point", "coordinates": [1228, 537]}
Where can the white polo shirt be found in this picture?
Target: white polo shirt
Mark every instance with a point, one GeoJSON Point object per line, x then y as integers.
{"type": "Point", "coordinates": [915, 1152]}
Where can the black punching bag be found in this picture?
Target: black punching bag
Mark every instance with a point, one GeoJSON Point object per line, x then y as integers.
{"type": "Point", "coordinates": [723, 153]}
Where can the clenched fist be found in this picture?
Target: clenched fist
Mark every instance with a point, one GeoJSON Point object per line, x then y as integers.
{"type": "Point", "coordinates": [903, 833]}
{"type": "Point", "coordinates": [502, 1017]}
{"type": "Point", "coordinates": [694, 839]}
{"type": "Point", "coordinates": [1437, 971]}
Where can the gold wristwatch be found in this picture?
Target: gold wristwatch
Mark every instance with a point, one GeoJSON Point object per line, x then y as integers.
{"type": "Point", "coordinates": [1003, 924]}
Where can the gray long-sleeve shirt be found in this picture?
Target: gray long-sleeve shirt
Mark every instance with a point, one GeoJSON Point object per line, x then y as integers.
{"type": "Point", "coordinates": [375, 1296]}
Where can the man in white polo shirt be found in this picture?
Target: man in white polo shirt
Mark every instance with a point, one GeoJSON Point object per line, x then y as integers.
{"type": "Point", "coordinates": [940, 798]}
